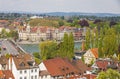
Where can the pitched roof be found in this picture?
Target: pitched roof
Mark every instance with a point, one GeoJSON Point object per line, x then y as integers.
{"type": "Point", "coordinates": [8, 74]}
{"type": "Point", "coordinates": [1, 21]}
{"type": "Point", "coordinates": [24, 61]}
{"type": "Point", "coordinates": [102, 64]}
{"type": "Point", "coordinates": [1, 74]}
{"type": "Point", "coordinates": [80, 66]}
{"type": "Point", "coordinates": [3, 60]}
{"type": "Point", "coordinates": [33, 30]}
{"type": "Point", "coordinates": [90, 76]}
{"type": "Point", "coordinates": [65, 27]}
{"type": "Point", "coordinates": [95, 52]}
{"type": "Point", "coordinates": [74, 77]}
{"type": "Point", "coordinates": [59, 67]}
{"type": "Point", "coordinates": [44, 72]}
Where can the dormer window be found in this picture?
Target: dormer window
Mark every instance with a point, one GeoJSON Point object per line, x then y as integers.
{"type": "Point", "coordinates": [30, 63]}
{"type": "Point", "coordinates": [67, 68]}
{"type": "Point", "coordinates": [63, 69]}
{"type": "Point", "coordinates": [22, 64]}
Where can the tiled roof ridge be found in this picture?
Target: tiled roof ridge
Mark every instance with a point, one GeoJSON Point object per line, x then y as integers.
{"type": "Point", "coordinates": [95, 52]}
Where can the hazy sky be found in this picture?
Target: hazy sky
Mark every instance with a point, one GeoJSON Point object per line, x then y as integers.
{"type": "Point", "coordinates": [93, 6]}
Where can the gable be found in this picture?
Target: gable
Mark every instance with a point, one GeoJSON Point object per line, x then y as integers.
{"type": "Point", "coordinates": [92, 53]}
{"type": "Point", "coordinates": [89, 54]}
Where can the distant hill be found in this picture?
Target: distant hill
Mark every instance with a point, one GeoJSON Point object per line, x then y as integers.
{"type": "Point", "coordinates": [80, 13]}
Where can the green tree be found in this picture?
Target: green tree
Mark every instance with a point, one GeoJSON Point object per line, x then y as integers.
{"type": "Point", "coordinates": [100, 43]}
{"type": "Point", "coordinates": [61, 23]}
{"type": "Point", "coordinates": [36, 55]}
{"type": "Point", "coordinates": [109, 74]}
{"type": "Point", "coordinates": [66, 48]}
{"type": "Point", "coordinates": [3, 33]}
{"type": "Point", "coordinates": [71, 45]}
{"type": "Point", "coordinates": [48, 50]}
{"type": "Point", "coordinates": [82, 58]}
{"type": "Point", "coordinates": [110, 42]}
{"type": "Point", "coordinates": [7, 55]}
{"type": "Point", "coordinates": [87, 39]}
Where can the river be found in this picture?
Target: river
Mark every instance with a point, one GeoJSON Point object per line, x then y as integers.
{"type": "Point", "coordinates": [31, 48]}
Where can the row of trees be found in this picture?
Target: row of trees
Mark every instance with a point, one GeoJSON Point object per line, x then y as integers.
{"type": "Point", "coordinates": [51, 49]}
{"type": "Point", "coordinates": [66, 48]}
{"type": "Point", "coordinates": [106, 39]}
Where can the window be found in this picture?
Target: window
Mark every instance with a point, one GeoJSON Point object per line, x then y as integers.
{"type": "Point", "coordinates": [32, 70]}
{"type": "Point", "coordinates": [35, 70]}
{"type": "Point", "coordinates": [25, 71]}
{"type": "Point", "coordinates": [41, 77]}
{"type": "Point", "coordinates": [25, 77]}
{"type": "Point", "coordinates": [20, 77]}
{"type": "Point", "coordinates": [31, 77]}
{"type": "Point", "coordinates": [22, 64]}
{"type": "Point", "coordinates": [35, 76]}
{"type": "Point", "coordinates": [20, 72]}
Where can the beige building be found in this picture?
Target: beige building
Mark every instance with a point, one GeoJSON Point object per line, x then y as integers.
{"type": "Point", "coordinates": [91, 55]}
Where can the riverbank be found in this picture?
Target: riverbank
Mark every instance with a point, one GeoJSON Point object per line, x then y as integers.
{"type": "Point", "coordinates": [28, 42]}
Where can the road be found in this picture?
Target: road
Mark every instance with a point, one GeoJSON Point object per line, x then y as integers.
{"type": "Point", "coordinates": [8, 47]}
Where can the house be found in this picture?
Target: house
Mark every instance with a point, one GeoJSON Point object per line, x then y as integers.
{"type": "Point", "coordinates": [36, 33]}
{"type": "Point", "coordinates": [61, 68]}
{"type": "Point", "coordinates": [23, 66]}
{"type": "Point", "coordinates": [104, 64]}
{"type": "Point", "coordinates": [6, 74]}
{"type": "Point", "coordinates": [78, 34]}
{"type": "Point", "coordinates": [91, 55]}
{"type": "Point", "coordinates": [64, 29]}
{"type": "Point", "coordinates": [100, 65]}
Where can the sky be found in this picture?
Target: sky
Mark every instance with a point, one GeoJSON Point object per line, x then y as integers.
{"type": "Point", "coordinates": [45, 6]}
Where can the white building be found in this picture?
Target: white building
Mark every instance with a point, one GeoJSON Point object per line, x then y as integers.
{"type": "Point", "coordinates": [91, 55]}
{"type": "Point", "coordinates": [23, 67]}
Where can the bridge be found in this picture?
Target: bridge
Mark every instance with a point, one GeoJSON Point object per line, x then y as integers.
{"type": "Point", "coordinates": [10, 47]}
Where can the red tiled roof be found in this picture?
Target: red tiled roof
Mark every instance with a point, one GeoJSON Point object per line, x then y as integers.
{"type": "Point", "coordinates": [59, 67]}
{"type": "Point", "coordinates": [90, 76]}
{"type": "Point", "coordinates": [16, 23]}
{"type": "Point", "coordinates": [1, 74]}
{"type": "Point", "coordinates": [65, 27]}
{"type": "Point", "coordinates": [102, 64]}
{"type": "Point", "coordinates": [8, 74]}
{"type": "Point", "coordinates": [34, 29]}
{"type": "Point", "coordinates": [3, 21]}
{"type": "Point", "coordinates": [43, 29]}
{"type": "Point", "coordinates": [95, 52]}
{"type": "Point", "coordinates": [80, 66]}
